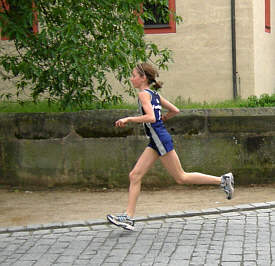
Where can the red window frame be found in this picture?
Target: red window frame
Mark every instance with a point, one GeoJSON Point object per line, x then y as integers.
{"type": "Point", "coordinates": [7, 7]}
{"type": "Point", "coordinates": [267, 16]}
{"type": "Point", "coordinates": [2, 10]}
{"type": "Point", "coordinates": [171, 28]}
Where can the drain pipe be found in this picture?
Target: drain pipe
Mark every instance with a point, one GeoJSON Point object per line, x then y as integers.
{"type": "Point", "coordinates": [234, 57]}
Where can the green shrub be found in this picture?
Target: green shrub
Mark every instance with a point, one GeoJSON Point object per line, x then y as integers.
{"type": "Point", "coordinates": [264, 100]}
{"type": "Point", "coordinates": [78, 46]}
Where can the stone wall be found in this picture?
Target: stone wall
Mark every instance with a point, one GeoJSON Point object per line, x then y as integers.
{"type": "Point", "coordinates": [85, 148]}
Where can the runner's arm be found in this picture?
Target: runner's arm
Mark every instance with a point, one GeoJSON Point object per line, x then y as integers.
{"type": "Point", "coordinates": [171, 108]}
{"type": "Point", "coordinates": [148, 117]}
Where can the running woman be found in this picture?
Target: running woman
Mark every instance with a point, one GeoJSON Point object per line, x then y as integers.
{"type": "Point", "coordinates": [160, 145]}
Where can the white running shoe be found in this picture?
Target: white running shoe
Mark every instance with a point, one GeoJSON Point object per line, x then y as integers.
{"type": "Point", "coordinates": [122, 220]}
{"type": "Point", "coordinates": [227, 184]}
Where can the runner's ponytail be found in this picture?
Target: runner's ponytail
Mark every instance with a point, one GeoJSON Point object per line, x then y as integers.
{"type": "Point", "coordinates": [151, 73]}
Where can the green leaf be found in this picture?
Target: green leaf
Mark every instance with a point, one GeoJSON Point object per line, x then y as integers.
{"type": "Point", "coordinates": [79, 42]}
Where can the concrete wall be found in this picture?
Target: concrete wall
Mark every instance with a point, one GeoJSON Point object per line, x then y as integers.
{"type": "Point", "coordinates": [245, 47]}
{"type": "Point", "coordinates": [264, 54]}
{"type": "Point", "coordinates": [86, 149]}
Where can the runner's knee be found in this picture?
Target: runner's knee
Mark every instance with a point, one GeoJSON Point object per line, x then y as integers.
{"type": "Point", "coordinates": [180, 181]}
{"type": "Point", "coordinates": [181, 178]}
{"type": "Point", "coordinates": [134, 177]}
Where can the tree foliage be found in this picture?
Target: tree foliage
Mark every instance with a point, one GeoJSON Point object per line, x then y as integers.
{"type": "Point", "coordinates": [78, 46]}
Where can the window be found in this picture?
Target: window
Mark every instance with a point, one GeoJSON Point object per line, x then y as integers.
{"type": "Point", "coordinates": [164, 19]}
{"type": "Point", "coordinates": [267, 16]}
{"type": "Point", "coordinates": [17, 13]}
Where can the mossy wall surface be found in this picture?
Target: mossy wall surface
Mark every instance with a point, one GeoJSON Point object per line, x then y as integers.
{"type": "Point", "coordinates": [85, 148]}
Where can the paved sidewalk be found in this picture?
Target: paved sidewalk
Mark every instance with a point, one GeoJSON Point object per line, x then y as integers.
{"type": "Point", "coordinates": [239, 235]}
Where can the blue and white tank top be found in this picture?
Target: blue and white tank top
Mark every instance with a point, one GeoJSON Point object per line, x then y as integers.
{"type": "Point", "coordinates": [156, 105]}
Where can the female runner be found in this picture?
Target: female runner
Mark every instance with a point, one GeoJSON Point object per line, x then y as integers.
{"type": "Point", "coordinates": [160, 145]}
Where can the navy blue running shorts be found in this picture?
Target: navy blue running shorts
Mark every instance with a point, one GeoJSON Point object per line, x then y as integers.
{"type": "Point", "coordinates": [162, 147]}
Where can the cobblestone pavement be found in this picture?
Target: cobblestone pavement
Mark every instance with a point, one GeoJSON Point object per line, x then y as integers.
{"type": "Point", "coordinates": [239, 235]}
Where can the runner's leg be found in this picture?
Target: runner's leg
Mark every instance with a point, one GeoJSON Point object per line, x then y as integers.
{"type": "Point", "coordinates": [144, 163]}
{"type": "Point", "coordinates": [172, 163]}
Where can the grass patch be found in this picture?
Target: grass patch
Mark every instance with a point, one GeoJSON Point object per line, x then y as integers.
{"type": "Point", "coordinates": [30, 107]}
{"type": "Point", "coordinates": [183, 104]}
{"type": "Point", "coordinates": [264, 100]}
{"type": "Point", "coordinates": [44, 107]}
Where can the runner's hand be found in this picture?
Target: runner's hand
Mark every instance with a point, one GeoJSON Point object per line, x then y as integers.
{"type": "Point", "coordinates": [121, 122]}
{"type": "Point", "coordinates": [163, 118]}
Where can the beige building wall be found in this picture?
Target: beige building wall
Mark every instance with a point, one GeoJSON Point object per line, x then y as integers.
{"type": "Point", "coordinates": [245, 47]}
{"type": "Point", "coordinates": [6, 85]}
{"type": "Point", "coordinates": [203, 51]}
{"type": "Point", "coordinates": [264, 53]}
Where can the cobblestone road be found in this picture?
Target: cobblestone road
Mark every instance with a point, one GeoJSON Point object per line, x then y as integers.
{"type": "Point", "coordinates": [240, 235]}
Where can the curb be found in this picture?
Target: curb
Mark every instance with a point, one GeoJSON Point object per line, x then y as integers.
{"type": "Point", "coordinates": [102, 223]}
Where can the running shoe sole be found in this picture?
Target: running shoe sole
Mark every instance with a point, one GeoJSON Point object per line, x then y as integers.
{"type": "Point", "coordinates": [123, 225]}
